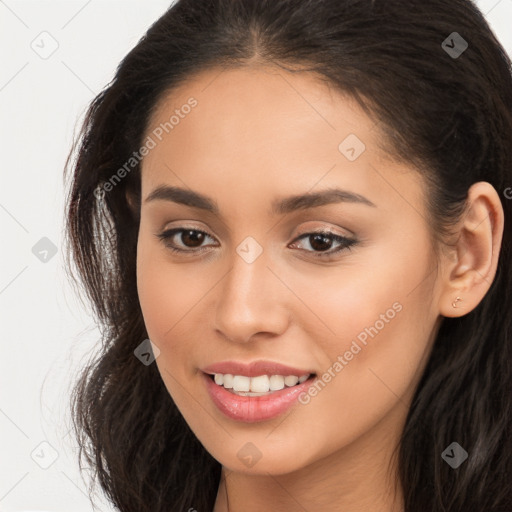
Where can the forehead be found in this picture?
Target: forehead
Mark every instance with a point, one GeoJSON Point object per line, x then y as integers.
{"type": "Point", "coordinates": [264, 101]}
{"type": "Point", "coordinates": [263, 129]}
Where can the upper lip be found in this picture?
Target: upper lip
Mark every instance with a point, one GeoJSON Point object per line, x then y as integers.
{"type": "Point", "coordinates": [254, 369]}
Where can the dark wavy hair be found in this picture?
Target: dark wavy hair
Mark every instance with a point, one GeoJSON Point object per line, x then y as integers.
{"type": "Point", "coordinates": [450, 116]}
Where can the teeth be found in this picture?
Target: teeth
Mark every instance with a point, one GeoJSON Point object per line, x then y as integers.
{"type": "Point", "coordinates": [261, 384]}
{"type": "Point", "coordinates": [276, 382]}
{"type": "Point", "coordinates": [241, 383]}
{"type": "Point", "coordinates": [291, 380]}
{"type": "Point", "coordinates": [228, 381]}
{"type": "Point", "coordinates": [258, 384]}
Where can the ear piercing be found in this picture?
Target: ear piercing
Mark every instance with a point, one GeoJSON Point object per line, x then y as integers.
{"type": "Point", "coordinates": [454, 303]}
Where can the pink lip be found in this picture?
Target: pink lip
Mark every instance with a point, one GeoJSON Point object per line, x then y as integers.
{"type": "Point", "coordinates": [254, 369]}
{"type": "Point", "coordinates": [250, 409]}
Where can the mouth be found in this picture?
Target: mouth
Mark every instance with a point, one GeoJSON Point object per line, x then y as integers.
{"type": "Point", "coordinates": [255, 399]}
{"type": "Point", "coordinates": [261, 385]}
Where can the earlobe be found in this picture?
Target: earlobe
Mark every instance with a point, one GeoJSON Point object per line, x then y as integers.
{"type": "Point", "coordinates": [469, 276]}
{"type": "Point", "coordinates": [456, 301]}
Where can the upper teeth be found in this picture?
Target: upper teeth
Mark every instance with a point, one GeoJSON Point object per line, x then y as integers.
{"type": "Point", "coordinates": [260, 384]}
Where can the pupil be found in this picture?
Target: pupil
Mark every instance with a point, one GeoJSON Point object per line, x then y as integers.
{"type": "Point", "coordinates": [196, 236]}
{"type": "Point", "coordinates": [325, 242]}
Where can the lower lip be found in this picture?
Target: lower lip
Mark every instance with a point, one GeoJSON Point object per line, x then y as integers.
{"type": "Point", "coordinates": [250, 409]}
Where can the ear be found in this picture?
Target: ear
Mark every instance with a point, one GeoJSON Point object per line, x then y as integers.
{"type": "Point", "coordinates": [469, 273]}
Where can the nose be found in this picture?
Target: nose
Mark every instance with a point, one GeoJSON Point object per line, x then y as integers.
{"type": "Point", "coordinates": [251, 301]}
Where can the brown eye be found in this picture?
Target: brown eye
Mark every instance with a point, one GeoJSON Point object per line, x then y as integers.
{"type": "Point", "coordinates": [191, 241]}
{"type": "Point", "coordinates": [192, 238]}
{"type": "Point", "coordinates": [188, 239]}
{"type": "Point", "coordinates": [322, 241]}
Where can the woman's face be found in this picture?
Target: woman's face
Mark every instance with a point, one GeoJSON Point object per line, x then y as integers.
{"type": "Point", "coordinates": [255, 284]}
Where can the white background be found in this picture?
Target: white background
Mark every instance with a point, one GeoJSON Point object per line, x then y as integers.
{"type": "Point", "coordinates": [46, 332]}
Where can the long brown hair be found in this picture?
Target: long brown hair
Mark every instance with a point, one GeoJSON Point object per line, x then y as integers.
{"type": "Point", "coordinates": [449, 114]}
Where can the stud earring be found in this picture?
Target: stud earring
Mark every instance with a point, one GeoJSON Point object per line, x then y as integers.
{"type": "Point", "coordinates": [454, 303]}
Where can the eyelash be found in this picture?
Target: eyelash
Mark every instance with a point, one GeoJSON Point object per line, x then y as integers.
{"type": "Point", "coordinates": [346, 243]}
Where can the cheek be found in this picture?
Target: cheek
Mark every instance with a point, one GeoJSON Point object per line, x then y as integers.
{"type": "Point", "coordinates": [172, 297]}
{"type": "Point", "coordinates": [166, 294]}
{"type": "Point", "coordinates": [381, 302]}
{"type": "Point", "coordinates": [382, 325]}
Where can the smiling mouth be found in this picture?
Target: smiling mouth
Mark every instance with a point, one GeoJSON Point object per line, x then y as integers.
{"type": "Point", "coordinates": [261, 385]}
{"type": "Point", "coordinates": [259, 403]}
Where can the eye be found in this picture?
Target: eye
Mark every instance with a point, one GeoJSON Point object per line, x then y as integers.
{"type": "Point", "coordinates": [192, 239]}
{"type": "Point", "coordinates": [323, 240]}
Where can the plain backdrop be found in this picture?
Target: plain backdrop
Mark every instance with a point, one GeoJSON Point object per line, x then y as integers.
{"type": "Point", "coordinates": [55, 57]}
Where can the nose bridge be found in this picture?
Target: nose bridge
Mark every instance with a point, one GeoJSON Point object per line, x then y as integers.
{"type": "Point", "coordinates": [249, 295]}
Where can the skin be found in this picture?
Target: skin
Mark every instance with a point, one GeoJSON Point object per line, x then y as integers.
{"type": "Point", "coordinates": [257, 134]}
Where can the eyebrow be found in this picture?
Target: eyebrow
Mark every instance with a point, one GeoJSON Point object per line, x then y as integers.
{"type": "Point", "coordinates": [280, 206]}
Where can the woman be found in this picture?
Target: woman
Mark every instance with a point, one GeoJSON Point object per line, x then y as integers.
{"type": "Point", "coordinates": [305, 206]}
